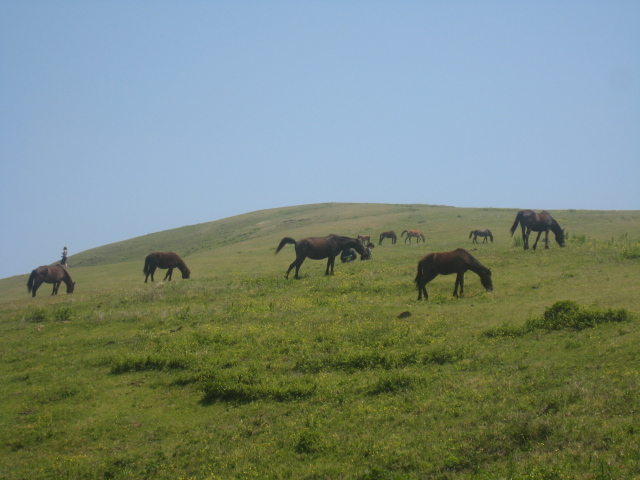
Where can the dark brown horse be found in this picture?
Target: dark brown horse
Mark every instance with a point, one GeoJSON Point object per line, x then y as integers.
{"type": "Point", "coordinates": [446, 263]}
{"type": "Point", "coordinates": [390, 234]}
{"type": "Point", "coordinates": [413, 233]}
{"type": "Point", "coordinates": [168, 260]}
{"type": "Point", "coordinates": [486, 233]}
{"type": "Point", "coordinates": [318, 248]}
{"type": "Point", "coordinates": [55, 274]}
{"type": "Point", "coordinates": [537, 222]}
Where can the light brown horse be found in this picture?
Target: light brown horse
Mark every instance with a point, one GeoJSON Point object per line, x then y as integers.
{"type": "Point", "coordinates": [365, 239]}
{"type": "Point", "coordinates": [413, 233]}
{"type": "Point", "coordinates": [55, 274]}
{"type": "Point", "coordinates": [163, 260]}
{"type": "Point", "coordinates": [537, 222]}
{"type": "Point", "coordinates": [486, 233]}
{"type": "Point", "coordinates": [445, 263]}
{"type": "Point", "coordinates": [390, 234]}
{"type": "Point", "coordinates": [318, 248]}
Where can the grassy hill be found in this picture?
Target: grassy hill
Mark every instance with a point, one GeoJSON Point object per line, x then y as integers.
{"type": "Point", "coordinates": [239, 373]}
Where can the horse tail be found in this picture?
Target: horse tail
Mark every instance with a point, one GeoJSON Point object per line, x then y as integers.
{"type": "Point", "coordinates": [285, 241]}
{"type": "Point", "coordinates": [515, 223]}
{"type": "Point", "coordinates": [147, 266]}
{"type": "Point", "coordinates": [31, 280]}
{"type": "Point", "coordinates": [420, 273]}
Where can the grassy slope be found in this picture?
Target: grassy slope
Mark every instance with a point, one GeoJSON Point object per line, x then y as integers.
{"type": "Point", "coordinates": [238, 373]}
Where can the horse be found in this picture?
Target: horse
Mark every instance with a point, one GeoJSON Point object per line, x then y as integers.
{"type": "Point", "coordinates": [318, 248]}
{"type": "Point", "coordinates": [481, 233]}
{"type": "Point", "coordinates": [413, 233]}
{"type": "Point", "coordinates": [364, 239]}
{"type": "Point", "coordinates": [368, 249]}
{"type": "Point", "coordinates": [348, 255]}
{"type": "Point", "coordinates": [390, 234]}
{"type": "Point", "coordinates": [445, 263]}
{"type": "Point", "coordinates": [163, 260]}
{"type": "Point", "coordinates": [55, 274]}
{"type": "Point", "coordinates": [538, 222]}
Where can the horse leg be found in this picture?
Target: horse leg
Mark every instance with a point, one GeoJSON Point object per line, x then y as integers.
{"type": "Point", "coordinates": [330, 262]}
{"type": "Point", "coordinates": [459, 281]}
{"type": "Point", "coordinates": [169, 273]}
{"type": "Point", "coordinates": [525, 237]}
{"type": "Point", "coordinates": [36, 285]}
{"type": "Point", "coordinates": [55, 288]}
{"type": "Point", "coordinates": [537, 238]}
{"type": "Point", "coordinates": [546, 240]}
{"type": "Point", "coordinates": [422, 285]}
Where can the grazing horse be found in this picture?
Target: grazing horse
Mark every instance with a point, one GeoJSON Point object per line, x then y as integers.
{"type": "Point", "coordinates": [163, 260]}
{"type": "Point", "coordinates": [55, 274]}
{"type": "Point", "coordinates": [318, 248]}
{"type": "Point", "coordinates": [537, 222]}
{"type": "Point", "coordinates": [413, 233]}
{"type": "Point", "coordinates": [348, 255]}
{"type": "Point", "coordinates": [364, 239]}
{"type": "Point", "coordinates": [390, 234]}
{"type": "Point", "coordinates": [445, 263]}
{"type": "Point", "coordinates": [481, 233]}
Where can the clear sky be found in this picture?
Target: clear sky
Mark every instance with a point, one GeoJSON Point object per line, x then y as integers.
{"type": "Point", "coordinates": [122, 118]}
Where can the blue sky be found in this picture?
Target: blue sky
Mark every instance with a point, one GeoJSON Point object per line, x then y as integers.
{"type": "Point", "coordinates": [122, 118]}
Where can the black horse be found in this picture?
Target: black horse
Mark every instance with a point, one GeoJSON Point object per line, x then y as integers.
{"type": "Point", "coordinates": [55, 274]}
{"type": "Point", "coordinates": [486, 233]}
{"type": "Point", "coordinates": [445, 263]}
{"type": "Point", "coordinates": [390, 234]}
{"type": "Point", "coordinates": [537, 222]}
{"type": "Point", "coordinates": [318, 248]}
{"type": "Point", "coordinates": [168, 260]}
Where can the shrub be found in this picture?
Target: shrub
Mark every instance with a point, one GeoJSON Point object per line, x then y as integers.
{"type": "Point", "coordinates": [570, 315]}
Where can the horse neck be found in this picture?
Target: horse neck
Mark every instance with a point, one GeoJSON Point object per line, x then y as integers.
{"type": "Point", "coordinates": [476, 267]}
{"type": "Point", "coordinates": [66, 278]}
{"type": "Point", "coordinates": [555, 228]}
{"type": "Point", "coordinates": [181, 265]}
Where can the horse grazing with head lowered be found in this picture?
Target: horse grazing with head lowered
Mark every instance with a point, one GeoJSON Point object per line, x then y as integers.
{"type": "Point", "coordinates": [445, 263]}
{"type": "Point", "coordinates": [55, 274]}
{"type": "Point", "coordinates": [164, 260]}
{"type": "Point", "coordinates": [537, 222]}
{"type": "Point", "coordinates": [318, 248]}
{"type": "Point", "coordinates": [390, 234]}
{"type": "Point", "coordinates": [413, 233]}
{"type": "Point", "coordinates": [486, 233]}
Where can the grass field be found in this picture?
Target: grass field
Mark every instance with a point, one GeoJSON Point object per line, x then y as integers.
{"type": "Point", "coordinates": [238, 373]}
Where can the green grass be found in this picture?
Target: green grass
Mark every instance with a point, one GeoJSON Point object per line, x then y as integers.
{"type": "Point", "coordinates": [239, 373]}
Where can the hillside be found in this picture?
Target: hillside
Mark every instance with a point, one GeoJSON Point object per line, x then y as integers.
{"type": "Point", "coordinates": [258, 232]}
{"type": "Point", "coordinates": [238, 373]}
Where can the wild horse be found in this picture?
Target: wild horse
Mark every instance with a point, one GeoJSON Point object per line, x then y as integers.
{"type": "Point", "coordinates": [481, 233]}
{"type": "Point", "coordinates": [538, 222]}
{"type": "Point", "coordinates": [163, 260]}
{"type": "Point", "coordinates": [445, 263]}
{"type": "Point", "coordinates": [364, 239]}
{"type": "Point", "coordinates": [413, 233]}
{"type": "Point", "coordinates": [390, 234]}
{"type": "Point", "coordinates": [55, 274]}
{"type": "Point", "coordinates": [318, 248]}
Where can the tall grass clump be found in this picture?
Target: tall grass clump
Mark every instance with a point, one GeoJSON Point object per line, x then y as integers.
{"type": "Point", "coordinates": [562, 315]}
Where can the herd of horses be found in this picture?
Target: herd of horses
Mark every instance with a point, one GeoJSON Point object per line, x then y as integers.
{"type": "Point", "coordinates": [458, 261]}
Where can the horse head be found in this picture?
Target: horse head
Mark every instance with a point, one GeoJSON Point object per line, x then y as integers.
{"type": "Point", "coordinates": [70, 287]}
{"type": "Point", "coordinates": [485, 279]}
{"type": "Point", "coordinates": [560, 237]}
